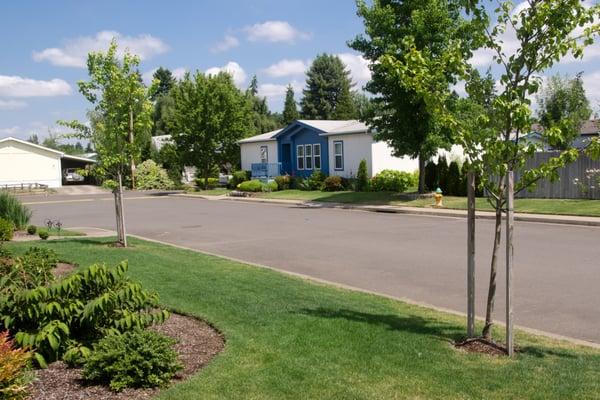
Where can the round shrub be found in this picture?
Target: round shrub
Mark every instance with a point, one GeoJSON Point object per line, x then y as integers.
{"type": "Point", "coordinates": [133, 359]}
{"type": "Point", "coordinates": [284, 182]}
{"type": "Point", "coordinates": [333, 183]}
{"type": "Point", "coordinates": [316, 179]}
{"type": "Point", "coordinates": [251, 186]}
{"type": "Point", "coordinates": [149, 175]}
{"type": "Point", "coordinates": [43, 234]}
{"type": "Point", "coordinates": [32, 229]}
{"type": "Point", "coordinates": [392, 181]}
{"type": "Point", "coordinates": [238, 177]}
{"type": "Point", "coordinates": [7, 230]}
{"type": "Point", "coordinates": [212, 183]}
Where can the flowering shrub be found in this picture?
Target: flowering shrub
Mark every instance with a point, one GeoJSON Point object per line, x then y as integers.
{"type": "Point", "coordinates": [150, 175]}
{"type": "Point", "coordinates": [590, 182]}
{"type": "Point", "coordinates": [13, 369]}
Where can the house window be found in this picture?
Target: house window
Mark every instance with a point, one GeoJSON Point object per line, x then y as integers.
{"type": "Point", "coordinates": [338, 155]}
{"type": "Point", "coordinates": [317, 155]}
{"type": "Point", "coordinates": [308, 156]}
{"type": "Point", "coordinates": [264, 154]}
{"type": "Point", "coordinates": [300, 157]}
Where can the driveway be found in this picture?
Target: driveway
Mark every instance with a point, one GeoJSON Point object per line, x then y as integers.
{"type": "Point", "coordinates": [422, 258]}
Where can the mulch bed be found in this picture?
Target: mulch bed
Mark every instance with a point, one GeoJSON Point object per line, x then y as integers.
{"type": "Point", "coordinates": [197, 344]}
{"type": "Point", "coordinates": [482, 346]}
{"type": "Point", "coordinates": [63, 269]}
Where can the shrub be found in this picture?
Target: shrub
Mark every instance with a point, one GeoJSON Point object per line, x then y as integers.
{"type": "Point", "coordinates": [110, 184]}
{"type": "Point", "coordinates": [431, 177]}
{"type": "Point", "coordinates": [150, 175]}
{"type": "Point", "coordinates": [270, 187]}
{"type": "Point", "coordinates": [392, 181]}
{"type": "Point", "coordinates": [43, 234]}
{"type": "Point", "coordinates": [251, 186]}
{"type": "Point", "coordinates": [32, 269]}
{"type": "Point", "coordinates": [333, 183]}
{"type": "Point", "coordinates": [315, 180]}
{"type": "Point", "coordinates": [14, 376]}
{"type": "Point", "coordinates": [442, 174]}
{"type": "Point", "coordinates": [11, 209]}
{"type": "Point", "coordinates": [32, 229]}
{"type": "Point", "coordinates": [453, 187]}
{"type": "Point", "coordinates": [239, 177]}
{"type": "Point", "coordinates": [212, 183]}
{"type": "Point", "coordinates": [284, 182]}
{"type": "Point", "coordinates": [7, 230]}
{"type": "Point", "coordinates": [301, 183]}
{"type": "Point", "coordinates": [134, 359]}
{"type": "Point", "coordinates": [362, 178]}
{"type": "Point", "coordinates": [62, 319]}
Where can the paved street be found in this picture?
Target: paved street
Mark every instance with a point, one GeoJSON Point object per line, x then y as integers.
{"type": "Point", "coordinates": [422, 258]}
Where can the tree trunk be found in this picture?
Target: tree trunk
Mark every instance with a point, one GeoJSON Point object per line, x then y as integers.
{"type": "Point", "coordinates": [117, 213]}
{"type": "Point", "coordinates": [132, 161]}
{"type": "Point", "coordinates": [487, 329]}
{"type": "Point", "coordinates": [421, 174]}
{"type": "Point", "coordinates": [121, 232]}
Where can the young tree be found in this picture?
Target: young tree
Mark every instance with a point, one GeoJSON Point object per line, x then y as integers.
{"type": "Point", "coordinates": [398, 113]}
{"type": "Point", "coordinates": [328, 86]}
{"type": "Point", "coordinates": [563, 101]}
{"type": "Point", "coordinates": [120, 120]}
{"type": "Point", "coordinates": [545, 32]}
{"type": "Point", "coordinates": [162, 81]}
{"type": "Point", "coordinates": [209, 116]}
{"type": "Point", "coordinates": [290, 111]}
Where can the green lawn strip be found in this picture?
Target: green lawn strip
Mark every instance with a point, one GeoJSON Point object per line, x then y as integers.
{"type": "Point", "coordinates": [288, 338]}
{"type": "Point", "coordinates": [211, 192]}
{"type": "Point", "coordinates": [62, 232]}
{"type": "Point", "coordinates": [336, 197]}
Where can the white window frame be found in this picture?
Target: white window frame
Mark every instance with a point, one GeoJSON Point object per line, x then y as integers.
{"type": "Point", "coordinates": [316, 156]}
{"type": "Point", "coordinates": [336, 155]}
{"type": "Point", "coordinates": [308, 157]}
{"type": "Point", "coordinates": [299, 157]}
{"type": "Point", "coordinates": [266, 153]}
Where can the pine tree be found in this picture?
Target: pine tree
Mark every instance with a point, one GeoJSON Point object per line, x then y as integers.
{"type": "Point", "coordinates": [262, 118]}
{"type": "Point", "coordinates": [253, 88]}
{"type": "Point", "coordinates": [328, 90]}
{"type": "Point", "coordinates": [165, 82]}
{"type": "Point", "coordinates": [290, 111]}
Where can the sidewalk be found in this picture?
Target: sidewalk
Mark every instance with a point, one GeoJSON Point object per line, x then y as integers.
{"type": "Point", "coordinates": [438, 212]}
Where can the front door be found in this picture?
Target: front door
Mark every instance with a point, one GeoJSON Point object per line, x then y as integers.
{"type": "Point", "coordinates": [286, 158]}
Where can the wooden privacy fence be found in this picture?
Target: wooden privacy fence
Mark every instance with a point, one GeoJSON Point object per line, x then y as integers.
{"type": "Point", "coordinates": [565, 187]}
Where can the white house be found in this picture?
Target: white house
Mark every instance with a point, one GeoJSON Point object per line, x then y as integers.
{"type": "Point", "coordinates": [333, 147]}
{"type": "Point", "coordinates": [23, 162]}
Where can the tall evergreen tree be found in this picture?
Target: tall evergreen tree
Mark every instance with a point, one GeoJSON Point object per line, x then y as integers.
{"type": "Point", "coordinates": [328, 90]}
{"type": "Point", "coordinates": [165, 81]}
{"type": "Point", "coordinates": [262, 118]}
{"type": "Point", "coordinates": [290, 111]}
{"type": "Point", "coordinates": [253, 87]}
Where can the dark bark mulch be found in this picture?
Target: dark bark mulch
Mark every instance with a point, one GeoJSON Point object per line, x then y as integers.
{"type": "Point", "coordinates": [63, 269]}
{"type": "Point", "coordinates": [197, 344]}
{"type": "Point", "coordinates": [482, 346]}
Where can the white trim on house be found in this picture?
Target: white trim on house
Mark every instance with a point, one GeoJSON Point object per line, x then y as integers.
{"type": "Point", "coordinates": [317, 156]}
{"type": "Point", "coordinates": [300, 157]}
{"type": "Point", "coordinates": [308, 157]}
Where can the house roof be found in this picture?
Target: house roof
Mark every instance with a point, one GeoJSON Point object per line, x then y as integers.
{"type": "Point", "coordinates": [37, 146]}
{"type": "Point", "coordinates": [589, 127]}
{"type": "Point", "coordinates": [263, 137]}
{"type": "Point", "coordinates": [337, 127]}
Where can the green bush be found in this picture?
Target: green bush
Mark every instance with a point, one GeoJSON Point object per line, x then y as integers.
{"type": "Point", "coordinates": [43, 234]}
{"type": "Point", "coordinates": [453, 184]}
{"type": "Point", "coordinates": [11, 209]}
{"type": "Point", "coordinates": [392, 181]}
{"type": "Point", "coordinates": [431, 177]}
{"type": "Point", "coordinates": [32, 229]}
{"type": "Point", "coordinates": [212, 183]}
{"type": "Point", "coordinates": [442, 174]}
{"type": "Point", "coordinates": [7, 229]}
{"type": "Point", "coordinates": [315, 180]}
{"type": "Point", "coordinates": [32, 269]}
{"type": "Point", "coordinates": [239, 177]}
{"type": "Point", "coordinates": [110, 184]}
{"type": "Point", "coordinates": [362, 177]}
{"type": "Point", "coordinates": [250, 186]}
{"type": "Point", "coordinates": [133, 359]}
{"type": "Point", "coordinates": [14, 376]}
{"type": "Point", "coordinates": [333, 183]}
{"type": "Point", "coordinates": [270, 187]}
{"type": "Point", "coordinates": [149, 175]}
{"type": "Point", "coordinates": [284, 182]}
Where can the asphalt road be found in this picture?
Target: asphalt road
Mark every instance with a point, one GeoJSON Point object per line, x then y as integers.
{"type": "Point", "coordinates": [422, 258]}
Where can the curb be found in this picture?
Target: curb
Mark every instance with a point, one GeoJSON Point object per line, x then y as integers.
{"type": "Point", "coordinates": [522, 217]}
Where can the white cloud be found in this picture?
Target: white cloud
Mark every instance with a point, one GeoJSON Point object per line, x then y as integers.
{"type": "Point", "coordinates": [10, 131]}
{"type": "Point", "coordinates": [228, 42]}
{"type": "Point", "coordinates": [74, 52]}
{"type": "Point", "coordinates": [178, 73]}
{"type": "Point", "coordinates": [12, 104]}
{"type": "Point", "coordinates": [16, 86]}
{"type": "Point", "coordinates": [358, 66]}
{"type": "Point", "coordinates": [273, 90]}
{"type": "Point", "coordinates": [287, 68]}
{"type": "Point", "coordinates": [591, 82]}
{"type": "Point", "coordinates": [233, 68]}
{"type": "Point", "coordinates": [274, 31]}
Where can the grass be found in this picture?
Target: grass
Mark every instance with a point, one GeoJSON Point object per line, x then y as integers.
{"type": "Point", "coordinates": [336, 197]}
{"type": "Point", "coordinates": [63, 232]}
{"type": "Point", "coordinates": [210, 192]}
{"type": "Point", "coordinates": [288, 338]}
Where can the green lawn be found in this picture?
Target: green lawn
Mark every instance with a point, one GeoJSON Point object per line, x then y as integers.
{"type": "Point", "coordinates": [63, 232]}
{"type": "Point", "coordinates": [288, 338]}
{"type": "Point", "coordinates": [210, 192]}
{"type": "Point", "coordinates": [336, 197]}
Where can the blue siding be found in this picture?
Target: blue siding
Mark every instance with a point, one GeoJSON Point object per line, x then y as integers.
{"type": "Point", "coordinates": [295, 135]}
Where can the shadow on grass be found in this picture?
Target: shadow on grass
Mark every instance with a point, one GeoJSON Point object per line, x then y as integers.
{"type": "Point", "coordinates": [541, 352]}
{"type": "Point", "coordinates": [404, 323]}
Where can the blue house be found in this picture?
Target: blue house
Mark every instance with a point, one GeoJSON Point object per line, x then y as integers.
{"type": "Point", "coordinates": [332, 147]}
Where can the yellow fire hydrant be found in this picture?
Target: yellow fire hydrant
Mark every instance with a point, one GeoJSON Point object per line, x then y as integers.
{"type": "Point", "coordinates": [438, 198]}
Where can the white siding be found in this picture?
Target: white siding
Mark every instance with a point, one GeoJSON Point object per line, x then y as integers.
{"type": "Point", "coordinates": [356, 148]}
{"type": "Point", "coordinates": [20, 163]}
{"type": "Point", "coordinates": [250, 153]}
{"type": "Point", "coordinates": [383, 159]}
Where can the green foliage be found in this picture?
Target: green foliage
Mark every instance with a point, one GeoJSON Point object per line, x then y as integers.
{"type": "Point", "coordinates": [442, 174]}
{"type": "Point", "coordinates": [431, 177]}
{"type": "Point", "coordinates": [392, 181]}
{"type": "Point", "coordinates": [210, 114]}
{"type": "Point", "coordinates": [31, 229]}
{"type": "Point", "coordinates": [163, 109]}
{"type": "Point", "coordinates": [32, 269]}
{"type": "Point", "coordinates": [162, 82]}
{"type": "Point", "coordinates": [251, 186]}
{"type": "Point", "coordinates": [362, 177]}
{"type": "Point", "coordinates": [270, 187]}
{"type": "Point", "coordinates": [169, 158]}
{"type": "Point", "coordinates": [7, 230]}
{"type": "Point", "coordinates": [328, 90]}
{"type": "Point", "coordinates": [14, 376]}
{"type": "Point", "coordinates": [152, 176]}
{"type": "Point", "coordinates": [290, 110]}
{"type": "Point", "coordinates": [60, 318]}
{"type": "Point", "coordinates": [315, 180]}
{"type": "Point", "coordinates": [137, 359]}
{"type": "Point", "coordinates": [333, 183]}
{"type": "Point", "coordinates": [12, 210]}
{"type": "Point", "coordinates": [43, 234]}
{"type": "Point", "coordinates": [238, 177]}
{"type": "Point", "coordinates": [453, 182]}
{"type": "Point", "coordinates": [262, 119]}
{"type": "Point", "coordinates": [284, 182]}
{"type": "Point", "coordinates": [211, 183]}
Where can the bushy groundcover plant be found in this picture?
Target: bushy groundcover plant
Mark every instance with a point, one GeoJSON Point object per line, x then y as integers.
{"type": "Point", "coordinates": [7, 230]}
{"type": "Point", "coordinates": [14, 376]}
{"type": "Point", "coordinates": [257, 186]}
{"type": "Point", "coordinates": [12, 210]}
{"type": "Point", "coordinates": [32, 269]}
{"type": "Point", "coordinates": [133, 359]}
{"type": "Point", "coordinates": [392, 181]}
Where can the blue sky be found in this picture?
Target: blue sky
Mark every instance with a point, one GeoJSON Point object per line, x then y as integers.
{"type": "Point", "coordinates": [44, 46]}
